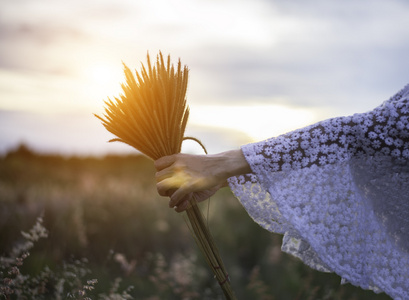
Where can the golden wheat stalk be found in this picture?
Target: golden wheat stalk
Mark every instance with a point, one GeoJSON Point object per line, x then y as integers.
{"type": "Point", "coordinates": [151, 116]}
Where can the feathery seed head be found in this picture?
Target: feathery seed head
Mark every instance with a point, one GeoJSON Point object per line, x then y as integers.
{"type": "Point", "coordinates": [152, 113]}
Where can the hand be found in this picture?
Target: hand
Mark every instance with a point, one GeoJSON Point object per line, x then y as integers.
{"type": "Point", "coordinates": [199, 196]}
{"type": "Point", "coordinates": [183, 177]}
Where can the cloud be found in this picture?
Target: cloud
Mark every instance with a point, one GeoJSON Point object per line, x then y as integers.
{"type": "Point", "coordinates": [349, 55]}
{"type": "Point", "coordinates": [50, 36]}
{"type": "Point", "coordinates": [28, 46]}
{"type": "Point", "coordinates": [341, 57]}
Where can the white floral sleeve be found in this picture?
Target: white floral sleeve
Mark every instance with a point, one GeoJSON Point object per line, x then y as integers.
{"type": "Point", "coordinates": [339, 192]}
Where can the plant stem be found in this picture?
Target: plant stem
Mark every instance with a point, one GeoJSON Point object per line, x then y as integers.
{"type": "Point", "coordinates": [209, 249]}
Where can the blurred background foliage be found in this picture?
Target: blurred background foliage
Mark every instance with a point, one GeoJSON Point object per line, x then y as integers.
{"type": "Point", "coordinates": [104, 214]}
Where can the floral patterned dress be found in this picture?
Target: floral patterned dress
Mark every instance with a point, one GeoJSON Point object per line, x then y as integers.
{"type": "Point", "coordinates": [339, 192]}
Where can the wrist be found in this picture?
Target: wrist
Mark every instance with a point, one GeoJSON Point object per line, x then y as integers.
{"type": "Point", "coordinates": [233, 163]}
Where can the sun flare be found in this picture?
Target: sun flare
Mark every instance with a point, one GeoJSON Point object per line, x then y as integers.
{"type": "Point", "coordinates": [104, 74]}
{"type": "Point", "coordinates": [101, 74]}
{"type": "Point", "coordinates": [101, 80]}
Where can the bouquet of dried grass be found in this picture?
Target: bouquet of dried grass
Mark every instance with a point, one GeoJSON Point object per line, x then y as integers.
{"type": "Point", "coordinates": [151, 116]}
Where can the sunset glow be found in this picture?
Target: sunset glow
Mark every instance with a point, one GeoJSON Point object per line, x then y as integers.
{"type": "Point", "coordinates": [259, 122]}
{"type": "Point", "coordinates": [257, 69]}
{"type": "Point", "coordinates": [103, 74]}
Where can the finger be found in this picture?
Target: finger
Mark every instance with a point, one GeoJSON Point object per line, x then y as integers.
{"type": "Point", "coordinates": [181, 194]}
{"type": "Point", "coordinates": [182, 207]}
{"type": "Point", "coordinates": [182, 204]}
{"type": "Point", "coordinates": [173, 203]}
{"type": "Point", "coordinates": [164, 162]}
{"type": "Point", "coordinates": [166, 187]}
{"type": "Point", "coordinates": [169, 193]}
{"type": "Point", "coordinates": [163, 174]}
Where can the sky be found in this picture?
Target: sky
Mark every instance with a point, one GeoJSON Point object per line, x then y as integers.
{"type": "Point", "coordinates": [257, 68]}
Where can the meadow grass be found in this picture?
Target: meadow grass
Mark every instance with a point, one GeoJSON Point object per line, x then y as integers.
{"type": "Point", "coordinates": [106, 234]}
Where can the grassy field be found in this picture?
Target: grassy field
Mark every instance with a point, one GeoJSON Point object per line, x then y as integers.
{"type": "Point", "coordinates": [110, 236]}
